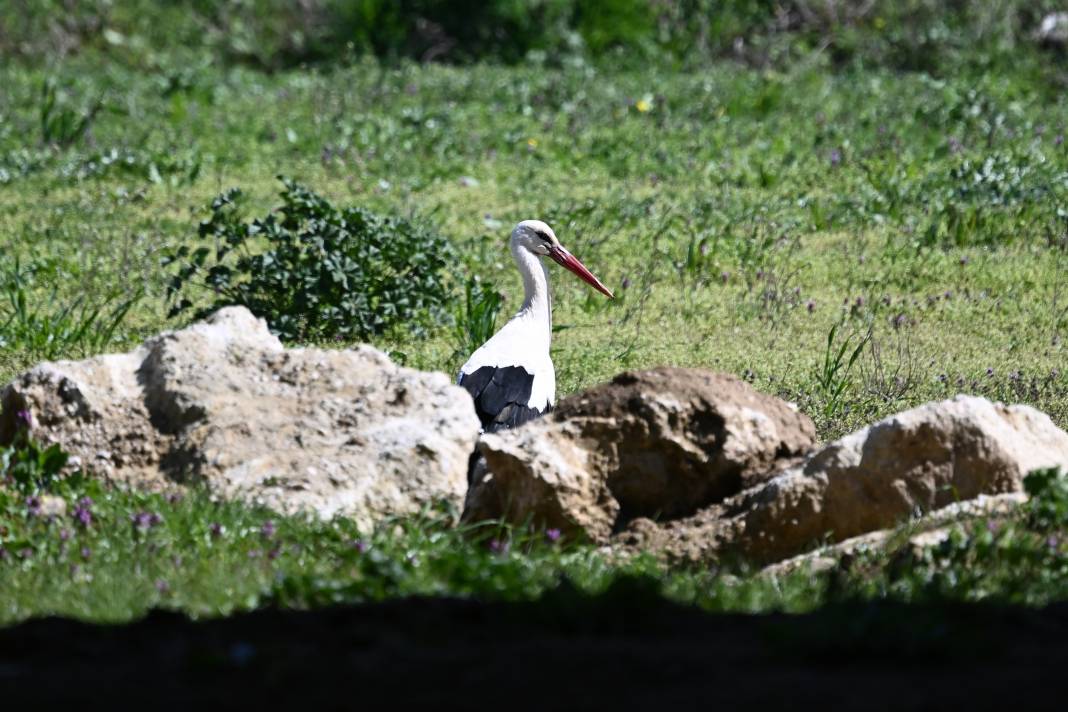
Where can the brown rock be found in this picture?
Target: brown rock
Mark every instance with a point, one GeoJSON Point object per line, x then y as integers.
{"type": "Point", "coordinates": [224, 403]}
{"type": "Point", "coordinates": [661, 443]}
{"type": "Point", "coordinates": [941, 462]}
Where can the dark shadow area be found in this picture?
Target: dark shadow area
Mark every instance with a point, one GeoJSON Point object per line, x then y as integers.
{"type": "Point", "coordinates": [626, 649]}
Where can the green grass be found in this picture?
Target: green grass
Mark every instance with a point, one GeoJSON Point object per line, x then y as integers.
{"type": "Point", "coordinates": [112, 555]}
{"type": "Point", "coordinates": [740, 215]}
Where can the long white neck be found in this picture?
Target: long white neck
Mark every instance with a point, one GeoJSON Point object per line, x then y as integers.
{"type": "Point", "coordinates": [537, 304]}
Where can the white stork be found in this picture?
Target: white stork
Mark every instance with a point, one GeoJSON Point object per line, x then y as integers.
{"type": "Point", "coordinates": [511, 377]}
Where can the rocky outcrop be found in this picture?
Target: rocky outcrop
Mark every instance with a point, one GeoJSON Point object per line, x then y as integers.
{"type": "Point", "coordinates": [702, 467]}
{"type": "Point", "coordinates": [661, 443]}
{"type": "Point", "coordinates": [223, 403]}
{"type": "Point", "coordinates": [917, 461]}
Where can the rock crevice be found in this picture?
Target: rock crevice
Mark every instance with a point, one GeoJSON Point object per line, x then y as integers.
{"type": "Point", "coordinates": [658, 444]}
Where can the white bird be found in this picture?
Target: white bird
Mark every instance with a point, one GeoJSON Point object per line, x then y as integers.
{"type": "Point", "coordinates": [511, 376]}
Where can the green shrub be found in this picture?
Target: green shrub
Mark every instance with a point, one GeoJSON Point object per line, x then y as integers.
{"type": "Point", "coordinates": [326, 272]}
{"type": "Point", "coordinates": [28, 465]}
{"type": "Point", "coordinates": [1047, 510]}
{"type": "Point", "coordinates": [923, 35]}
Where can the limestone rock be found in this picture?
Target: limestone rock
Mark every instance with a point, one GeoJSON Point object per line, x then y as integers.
{"type": "Point", "coordinates": [660, 443]}
{"type": "Point", "coordinates": [926, 532]}
{"type": "Point", "coordinates": [917, 461]}
{"type": "Point", "coordinates": [223, 403]}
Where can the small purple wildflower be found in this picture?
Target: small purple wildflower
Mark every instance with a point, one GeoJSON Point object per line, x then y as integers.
{"type": "Point", "coordinates": [1053, 542]}
{"type": "Point", "coordinates": [86, 552]}
{"type": "Point", "coordinates": [254, 554]}
{"type": "Point", "coordinates": [498, 547]}
{"type": "Point", "coordinates": [273, 553]}
{"type": "Point", "coordinates": [810, 305]}
{"type": "Point", "coordinates": [859, 302]}
{"type": "Point", "coordinates": [25, 552]}
{"type": "Point", "coordinates": [83, 516]}
{"type": "Point", "coordinates": [162, 586]}
{"type": "Point", "coordinates": [268, 529]}
{"type": "Point", "coordinates": [625, 284]}
{"type": "Point", "coordinates": [24, 419]}
{"type": "Point", "coordinates": [899, 321]}
{"type": "Point", "coordinates": [3, 553]}
{"type": "Point", "coordinates": [359, 545]}
{"type": "Point", "coordinates": [725, 276]}
{"type": "Point", "coordinates": [948, 295]}
{"type": "Point", "coordinates": [174, 498]}
{"type": "Point", "coordinates": [216, 530]}
{"type": "Point", "coordinates": [1059, 140]}
{"type": "Point", "coordinates": [552, 534]}
{"type": "Point", "coordinates": [989, 372]}
{"type": "Point", "coordinates": [835, 157]}
{"type": "Point", "coordinates": [64, 534]}
{"type": "Point", "coordinates": [33, 506]}
{"type": "Point", "coordinates": [942, 378]}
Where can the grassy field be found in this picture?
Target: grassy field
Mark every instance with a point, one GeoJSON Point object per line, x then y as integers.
{"type": "Point", "coordinates": [752, 220]}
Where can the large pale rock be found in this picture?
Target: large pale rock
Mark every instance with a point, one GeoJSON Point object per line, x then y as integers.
{"type": "Point", "coordinates": [914, 462]}
{"type": "Point", "coordinates": [662, 443]}
{"type": "Point", "coordinates": [940, 462]}
{"type": "Point", "coordinates": [223, 403]}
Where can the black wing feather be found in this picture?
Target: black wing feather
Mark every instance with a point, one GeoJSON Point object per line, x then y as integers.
{"type": "Point", "coordinates": [501, 396]}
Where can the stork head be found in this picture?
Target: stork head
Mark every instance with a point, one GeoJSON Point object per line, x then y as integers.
{"type": "Point", "coordinates": [538, 238]}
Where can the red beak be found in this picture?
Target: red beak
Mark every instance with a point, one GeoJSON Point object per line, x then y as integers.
{"type": "Point", "coordinates": [568, 260]}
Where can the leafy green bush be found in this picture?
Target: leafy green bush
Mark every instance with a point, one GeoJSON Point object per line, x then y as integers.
{"type": "Point", "coordinates": [916, 35]}
{"type": "Point", "coordinates": [1047, 510]}
{"type": "Point", "coordinates": [325, 273]}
